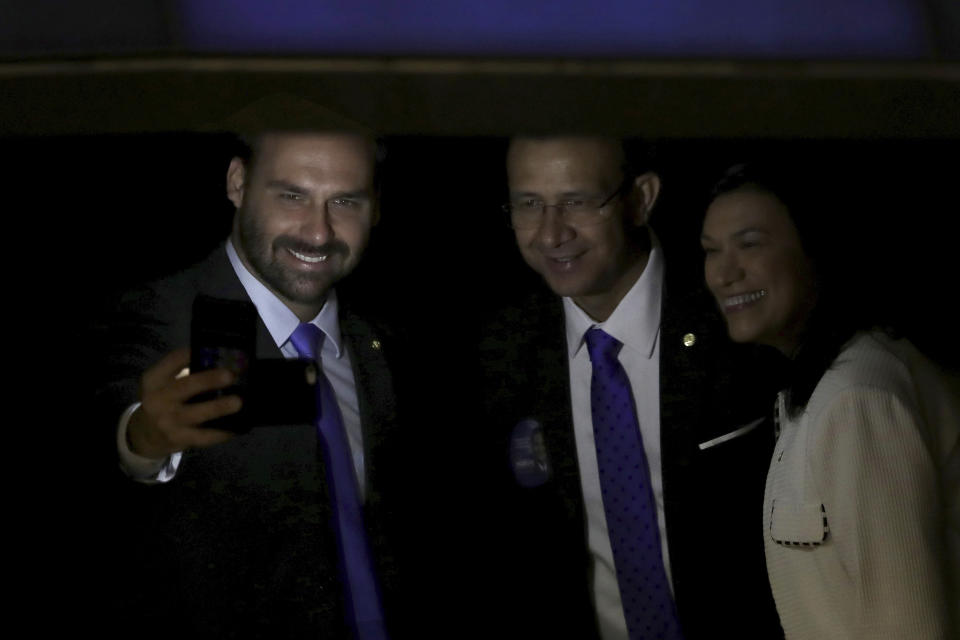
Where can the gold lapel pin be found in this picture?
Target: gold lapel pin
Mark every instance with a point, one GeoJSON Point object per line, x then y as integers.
{"type": "Point", "coordinates": [689, 340]}
{"type": "Point", "coordinates": [375, 344]}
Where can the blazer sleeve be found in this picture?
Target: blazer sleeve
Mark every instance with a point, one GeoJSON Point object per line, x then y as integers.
{"type": "Point", "coordinates": [881, 492]}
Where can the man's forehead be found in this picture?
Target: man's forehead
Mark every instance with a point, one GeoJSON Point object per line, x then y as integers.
{"type": "Point", "coordinates": [331, 154]}
{"type": "Point", "coordinates": [577, 161]}
{"type": "Point", "coordinates": [567, 144]}
{"type": "Point", "coordinates": [340, 140]}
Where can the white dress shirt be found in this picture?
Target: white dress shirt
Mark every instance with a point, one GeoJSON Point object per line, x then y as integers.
{"type": "Point", "coordinates": [280, 322]}
{"type": "Point", "coordinates": [635, 323]}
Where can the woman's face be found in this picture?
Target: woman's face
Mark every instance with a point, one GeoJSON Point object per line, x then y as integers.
{"type": "Point", "coordinates": [756, 268]}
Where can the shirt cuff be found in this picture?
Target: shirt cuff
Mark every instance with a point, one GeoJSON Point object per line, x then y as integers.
{"type": "Point", "coordinates": [145, 470]}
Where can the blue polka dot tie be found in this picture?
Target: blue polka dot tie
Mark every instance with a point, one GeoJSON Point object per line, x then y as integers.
{"type": "Point", "coordinates": [628, 497]}
{"type": "Point", "coordinates": [364, 612]}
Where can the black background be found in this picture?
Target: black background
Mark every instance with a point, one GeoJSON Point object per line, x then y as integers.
{"type": "Point", "coordinates": [101, 213]}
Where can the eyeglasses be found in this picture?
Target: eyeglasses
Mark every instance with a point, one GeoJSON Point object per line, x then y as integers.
{"type": "Point", "coordinates": [527, 212]}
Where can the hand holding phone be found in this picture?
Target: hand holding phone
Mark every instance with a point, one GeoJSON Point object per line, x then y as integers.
{"type": "Point", "coordinates": [274, 391]}
{"type": "Point", "coordinates": [167, 421]}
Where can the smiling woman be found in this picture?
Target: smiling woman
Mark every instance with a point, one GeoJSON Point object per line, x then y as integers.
{"type": "Point", "coordinates": [757, 269]}
{"type": "Point", "coordinates": [861, 526]}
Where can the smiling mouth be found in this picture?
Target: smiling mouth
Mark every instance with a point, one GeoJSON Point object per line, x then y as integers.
{"type": "Point", "coordinates": [309, 259]}
{"type": "Point", "coordinates": [563, 259]}
{"type": "Point", "coordinates": [737, 302]}
{"type": "Point", "coordinates": [561, 264]}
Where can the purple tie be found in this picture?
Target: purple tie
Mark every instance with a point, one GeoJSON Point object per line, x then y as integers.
{"type": "Point", "coordinates": [364, 611]}
{"type": "Point", "coordinates": [627, 496]}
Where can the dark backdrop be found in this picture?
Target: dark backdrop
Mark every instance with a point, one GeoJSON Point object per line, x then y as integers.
{"type": "Point", "coordinates": [110, 211]}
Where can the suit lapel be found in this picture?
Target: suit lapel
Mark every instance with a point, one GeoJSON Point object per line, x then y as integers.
{"type": "Point", "coordinates": [382, 442]}
{"type": "Point", "coordinates": [554, 392]}
{"type": "Point", "coordinates": [374, 384]}
{"type": "Point", "coordinates": [686, 342]}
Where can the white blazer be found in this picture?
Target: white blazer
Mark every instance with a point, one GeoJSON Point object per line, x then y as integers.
{"type": "Point", "coordinates": [862, 502]}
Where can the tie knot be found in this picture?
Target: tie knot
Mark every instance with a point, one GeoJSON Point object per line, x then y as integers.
{"type": "Point", "coordinates": [306, 340]}
{"type": "Point", "coordinates": [601, 345]}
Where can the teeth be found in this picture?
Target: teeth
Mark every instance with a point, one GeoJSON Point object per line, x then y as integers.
{"type": "Point", "coordinates": [744, 298]}
{"type": "Point", "coordinates": [305, 258]}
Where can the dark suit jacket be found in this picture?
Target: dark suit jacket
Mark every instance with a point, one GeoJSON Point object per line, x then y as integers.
{"type": "Point", "coordinates": [240, 544]}
{"type": "Point", "coordinates": [713, 497]}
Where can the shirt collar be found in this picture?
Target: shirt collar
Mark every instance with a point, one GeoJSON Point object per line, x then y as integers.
{"type": "Point", "coordinates": [280, 321]}
{"type": "Point", "coordinates": [636, 320]}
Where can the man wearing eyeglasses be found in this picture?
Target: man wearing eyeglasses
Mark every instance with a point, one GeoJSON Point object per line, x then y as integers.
{"type": "Point", "coordinates": [639, 513]}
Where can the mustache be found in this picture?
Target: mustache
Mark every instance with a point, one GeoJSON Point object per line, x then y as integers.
{"type": "Point", "coordinates": [331, 248]}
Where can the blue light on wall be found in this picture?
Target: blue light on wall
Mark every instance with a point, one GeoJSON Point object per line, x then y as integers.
{"type": "Point", "coordinates": [779, 29]}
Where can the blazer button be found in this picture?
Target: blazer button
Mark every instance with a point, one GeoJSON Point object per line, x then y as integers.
{"type": "Point", "coordinates": [689, 340]}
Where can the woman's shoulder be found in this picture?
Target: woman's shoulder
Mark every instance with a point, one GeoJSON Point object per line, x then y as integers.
{"type": "Point", "coordinates": [874, 364]}
{"type": "Point", "coordinates": [871, 359]}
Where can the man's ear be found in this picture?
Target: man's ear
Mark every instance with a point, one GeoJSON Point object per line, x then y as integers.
{"type": "Point", "coordinates": [236, 178]}
{"type": "Point", "coordinates": [644, 192]}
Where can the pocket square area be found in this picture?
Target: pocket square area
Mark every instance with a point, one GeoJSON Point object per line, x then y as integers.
{"type": "Point", "coordinates": [736, 433]}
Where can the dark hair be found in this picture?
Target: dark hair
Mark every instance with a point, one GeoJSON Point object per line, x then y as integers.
{"type": "Point", "coordinates": [818, 207]}
{"type": "Point", "coordinates": [638, 157]}
{"type": "Point", "coordinates": [783, 182]}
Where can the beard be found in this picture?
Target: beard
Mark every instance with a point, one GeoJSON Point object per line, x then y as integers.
{"type": "Point", "coordinates": [262, 252]}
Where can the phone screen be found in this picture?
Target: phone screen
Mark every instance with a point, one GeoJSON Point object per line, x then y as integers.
{"type": "Point", "coordinates": [223, 336]}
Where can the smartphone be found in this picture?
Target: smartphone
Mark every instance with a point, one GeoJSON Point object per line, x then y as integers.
{"type": "Point", "coordinates": [274, 391]}
{"type": "Point", "coordinates": [223, 335]}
